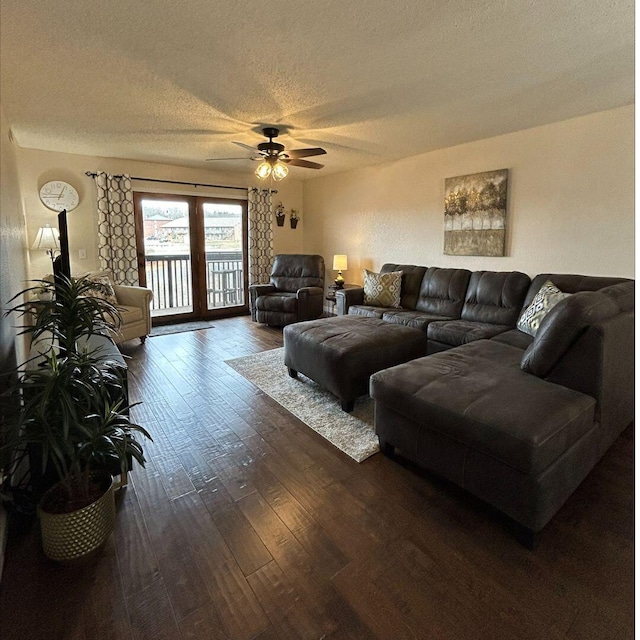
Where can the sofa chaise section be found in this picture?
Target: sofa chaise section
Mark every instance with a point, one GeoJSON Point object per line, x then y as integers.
{"type": "Point", "coordinates": [519, 429]}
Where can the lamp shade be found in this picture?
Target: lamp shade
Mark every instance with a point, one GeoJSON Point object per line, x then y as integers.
{"type": "Point", "coordinates": [47, 239]}
{"type": "Point", "coordinates": [340, 263]}
{"type": "Point", "coordinates": [272, 166]}
{"type": "Point", "coordinates": [280, 170]}
{"type": "Point", "coordinates": [263, 170]}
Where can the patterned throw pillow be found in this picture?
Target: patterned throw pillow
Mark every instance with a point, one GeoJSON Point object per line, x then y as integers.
{"type": "Point", "coordinates": [382, 289]}
{"type": "Point", "coordinates": [103, 289]}
{"type": "Point", "coordinates": [547, 298]}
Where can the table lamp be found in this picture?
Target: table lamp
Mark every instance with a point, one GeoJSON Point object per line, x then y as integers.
{"type": "Point", "coordinates": [339, 265]}
{"type": "Point", "coordinates": [47, 240]}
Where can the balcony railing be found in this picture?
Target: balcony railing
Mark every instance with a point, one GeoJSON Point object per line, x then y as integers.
{"type": "Point", "coordinates": [169, 277]}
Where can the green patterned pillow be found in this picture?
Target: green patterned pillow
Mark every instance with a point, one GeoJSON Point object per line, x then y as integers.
{"type": "Point", "coordinates": [382, 289]}
{"type": "Point", "coordinates": [547, 298]}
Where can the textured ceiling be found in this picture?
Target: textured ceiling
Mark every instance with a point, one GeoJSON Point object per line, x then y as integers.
{"type": "Point", "coordinates": [369, 80]}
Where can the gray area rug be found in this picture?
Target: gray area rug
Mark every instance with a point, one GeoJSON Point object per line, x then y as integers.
{"type": "Point", "coordinates": [352, 433]}
{"type": "Point", "coordinates": [167, 329]}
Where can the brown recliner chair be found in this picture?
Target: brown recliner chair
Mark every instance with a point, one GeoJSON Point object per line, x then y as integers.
{"type": "Point", "coordinates": [295, 291]}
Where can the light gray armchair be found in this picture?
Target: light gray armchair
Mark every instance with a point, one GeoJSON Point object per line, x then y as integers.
{"type": "Point", "coordinates": [134, 304]}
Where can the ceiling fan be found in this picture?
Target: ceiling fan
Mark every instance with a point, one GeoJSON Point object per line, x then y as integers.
{"type": "Point", "coordinates": [274, 159]}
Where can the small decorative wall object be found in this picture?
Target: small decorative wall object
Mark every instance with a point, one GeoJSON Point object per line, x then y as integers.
{"type": "Point", "coordinates": [475, 214]}
{"type": "Point", "coordinates": [280, 215]}
{"type": "Point", "coordinates": [294, 216]}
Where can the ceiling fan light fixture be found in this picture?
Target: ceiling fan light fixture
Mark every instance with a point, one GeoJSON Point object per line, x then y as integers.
{"type": "Point", "coordinates": [280, 170]}
{"type": "Point", "coordinates": [263, 170]}
{"type": "Point", "coordinates": [275, 161]}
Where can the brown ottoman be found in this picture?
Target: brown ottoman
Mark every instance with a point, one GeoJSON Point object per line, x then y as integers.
{"type": "Point", "coordinates": [341, 353]}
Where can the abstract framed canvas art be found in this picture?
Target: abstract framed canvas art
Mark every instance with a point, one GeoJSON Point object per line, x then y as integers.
{"type": "Point", "coordinates": [475, 214]}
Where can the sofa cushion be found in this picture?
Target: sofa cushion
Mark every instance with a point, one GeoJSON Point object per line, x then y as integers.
{"type": "Point", "coordinates": [547, 298]}
{"type": "Point", "coordinates": [495, 297]}
{"type": "Point", "coordinates": [415, 319]}
{"type": "Point", "coordinates": [515, 338]}
{"type": "Point", "coordinates": [457, 332]}
{"type": "Point", "coordinates": [570, 283]}
{"type": "Point", "coordinates": [382, 289]}
{"type": "Point", "coordinates": [280, 301]}
{"type": "Point", "coordinates": [291, 272]}
{"type": "Point", "coordinates": [366, 311]}
{"type": "Point", "coordinates": [562, 326]}
{"type": "Point", "coordinates": [412, 276]}
{"type": "Point", "coordinates": [624, 295]}
{"type": "Point", "coordinates": [442, 291]}
{"type": "Point", "coordinates": [478, 395]}
{"type": "Point", "coordinates": [130, 314]}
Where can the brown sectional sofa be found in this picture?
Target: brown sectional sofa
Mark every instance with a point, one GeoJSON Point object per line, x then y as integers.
{"type": "Point", "coordinates": [515, 420]}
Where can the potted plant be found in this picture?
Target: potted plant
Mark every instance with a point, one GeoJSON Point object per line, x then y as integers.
{"type": "Point", "coordinates": [44, 293]}
{"type": "Point", "coordinates": [280, 214]}
{"type": "Point", "coordinates": [72, 417]}
{"type": "Point", "coordinates": [294, 216]}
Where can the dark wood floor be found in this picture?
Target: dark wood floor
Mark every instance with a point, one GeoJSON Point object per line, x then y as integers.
{"type": "Point", "coordinates": [246, 524]}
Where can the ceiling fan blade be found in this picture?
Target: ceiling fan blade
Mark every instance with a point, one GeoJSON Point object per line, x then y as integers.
{"type": "Point", "coordinates": [214, 159]}
{"type": "Point", "coordinates": [245, 146]}
{"type": "Point", "coordinates": [303, 163]}
{"type": "Point", "coordinates": [294, 154]}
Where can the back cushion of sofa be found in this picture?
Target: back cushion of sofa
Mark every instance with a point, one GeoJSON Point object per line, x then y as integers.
{"type": "Point", "coordinates": [291, 272]}
{"type": "Point", "coordinates": [495, 297]}
{"type": "Point", "coordinates": [570, 283]}
{"type": "Point", "coordinates": [562, 326]}
{"type": "Point", "coordinates": [411, 279]}
{"type": "Point", "coordinates": [442, 291]}
{"type": "Point", "coordinates": [624, 295]}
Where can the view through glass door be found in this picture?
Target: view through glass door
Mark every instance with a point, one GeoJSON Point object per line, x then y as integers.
{"type": "Point", "coordinates": [192, 255]}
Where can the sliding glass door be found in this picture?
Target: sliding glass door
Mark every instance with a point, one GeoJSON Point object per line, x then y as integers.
{"type": "Point", "coordinates": [192, 253]}
{"type": "Point", "coordinates": [224, 246]}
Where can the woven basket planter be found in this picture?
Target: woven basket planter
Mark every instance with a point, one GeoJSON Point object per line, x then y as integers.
{"type": "Point", "coordinates": [74, 535]}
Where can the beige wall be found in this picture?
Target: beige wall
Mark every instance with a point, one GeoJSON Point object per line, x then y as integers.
{"type": "Point", "coordinates": [13, 254]}
{"type": "Point", "coordinates": [13, 269]}
{"type": "Point", "coordinates": [570, 208]}
{"type": "Point", "coordinates": [37, 167]}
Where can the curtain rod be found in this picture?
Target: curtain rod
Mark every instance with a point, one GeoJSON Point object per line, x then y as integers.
{"type": "Point", "coordinates": [93, 174]}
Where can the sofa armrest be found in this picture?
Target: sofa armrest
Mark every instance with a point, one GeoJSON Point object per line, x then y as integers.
{"type": "Point", "coordinates": [309, 302]}
{"type": "Point", "coordinates": [346, 297]}
{"type": "Point", "coordinates": [140, 297]}
{"type": "Point", "coordinates": [262, 289]}
{"type": "Point", "coordinates": [131, 296]}
{"type": "Point", "coordinates": [255, 291]}
{"type": "Point", "coordinates": [309, 291]}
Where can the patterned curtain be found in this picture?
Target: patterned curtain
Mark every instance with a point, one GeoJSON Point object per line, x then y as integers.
{"type": "Point", "coordinates": [260, 235]}
{"type": "Point", "coordinates": [117, 228]}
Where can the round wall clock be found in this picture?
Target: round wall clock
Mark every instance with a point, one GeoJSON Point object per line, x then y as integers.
{"type": "Point", "coordinates": [58, 195]}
